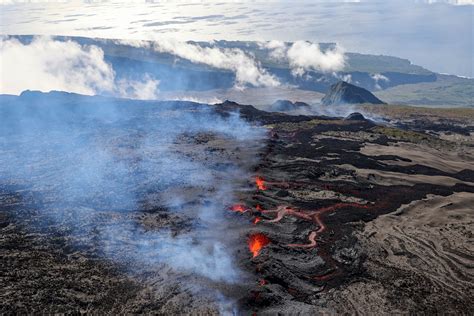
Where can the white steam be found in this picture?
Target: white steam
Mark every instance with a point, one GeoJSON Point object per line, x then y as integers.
{"type": "Point", "coordinates": [278, 49]}
{"type": "Point", "coordinates": [46, 64]}
{"type": "Point", "coordinates": [146, 89]}
{"type": "Point", "coordinates": [247, 70]}
{"type": "Point", "coordinates": [304, 56]}
{"type": "Point", "coordinates": [377, 78]}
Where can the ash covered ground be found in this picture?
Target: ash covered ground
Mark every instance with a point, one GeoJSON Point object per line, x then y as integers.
{"type": "Point", "coordinates": [119, 206]}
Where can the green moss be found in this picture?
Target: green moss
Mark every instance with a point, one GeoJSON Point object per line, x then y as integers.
{"type": "Point", "coordinates": [291, 127]}
{"type": "Point", "coordinates": [413, 137]}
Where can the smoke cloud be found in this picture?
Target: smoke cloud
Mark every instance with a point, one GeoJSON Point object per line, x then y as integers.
{"type": "Point", "coordinates": [95, 166]}
{"type": "Point", "coordinates": [46, 64]}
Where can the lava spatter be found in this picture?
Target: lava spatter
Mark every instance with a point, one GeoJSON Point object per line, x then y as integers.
{"type": "Point", "coordinates": [260, 183]}
{"type": "Point", "coordinates": [239, 208]}
{"type": "Point", "coordinates": [257, 242]}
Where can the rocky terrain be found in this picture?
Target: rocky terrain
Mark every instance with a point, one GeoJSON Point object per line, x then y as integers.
{"type": "Point", "coordinates": [255, 212]}
{"type": "Point", "coordinates": [287, 106]}
{"type": "Point", "coordinates": [365, 218]}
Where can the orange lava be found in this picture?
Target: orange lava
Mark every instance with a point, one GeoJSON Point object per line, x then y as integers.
{"type": "Point", "coordinates": [258, 208]}
{"type": "Point", "coordinates": [326, 276]}
{"type": "Point", "coordinates": [256, 220]}
{"type": "Point", "coordinates": [311, 216]}
{"type": "Point", "coordinates": [260, 183]}
{"type": "Point", "coordinates": [239, 208]}
{"type": "Point", "coordinates": [257, 242]}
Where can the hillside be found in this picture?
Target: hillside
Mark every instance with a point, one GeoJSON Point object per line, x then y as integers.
{"type": "Point", "coordinates": [346, 93]}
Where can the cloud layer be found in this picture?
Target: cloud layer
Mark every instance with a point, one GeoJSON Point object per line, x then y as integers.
{"type": "Point", "coordinates": [47, 64]}
{"type": "Point", "coordinates": [426, 34]}
{"type": "Point", "coordinates": [303, 56]}
{"type": "Point", "coordinates": [246, 68]}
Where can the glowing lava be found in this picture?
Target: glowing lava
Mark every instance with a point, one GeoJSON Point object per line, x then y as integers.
{"type": "Point", "coordinates": [256, 220]}
{"type": "Point", "coordinates": [239, 208]}
{"type": "Point", "coordinates": [260, 183]}
{"type": "Point", "coordinates": [257, 242]}
{"type": "Point", "coordinates": [311, 216]}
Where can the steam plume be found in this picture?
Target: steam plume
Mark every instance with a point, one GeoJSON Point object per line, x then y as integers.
{"type": "Point", "coordinates": [104, 161]}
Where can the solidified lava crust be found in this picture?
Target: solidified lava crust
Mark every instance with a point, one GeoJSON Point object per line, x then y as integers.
{"type": "Point", "coordinates": [313, 207]}
{"type": "Point", "coordinates": [312, 235]}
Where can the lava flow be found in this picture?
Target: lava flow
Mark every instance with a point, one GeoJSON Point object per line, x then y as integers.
{"type": "Point", "coordinates": [312, 216]}
{"type": "Point", "coordinates": [257, 242]}
{"type": "Point", "coordinates": [260, 183]}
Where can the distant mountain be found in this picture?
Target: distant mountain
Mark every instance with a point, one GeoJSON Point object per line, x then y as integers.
{"type": "Point", "coordinates": [394, 80]}
{"type": "Point", "coordinates": [343, 92]}
{"type": "Point", "coordinates": [371, 72]}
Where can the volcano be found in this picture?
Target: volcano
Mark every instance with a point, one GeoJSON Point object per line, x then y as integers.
{"type": "Point", "coordinates": [181, 208]}
{"type": "Point", "coordinates": [286, 105]}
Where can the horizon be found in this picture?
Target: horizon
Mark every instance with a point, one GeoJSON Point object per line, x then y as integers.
{"type": "Point", "coordinates": [433, 35]}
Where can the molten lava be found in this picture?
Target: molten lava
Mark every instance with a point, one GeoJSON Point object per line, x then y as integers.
{"type": "Point", "coordinates": [311, 216]}
{"type": "Point", "coordinates": [260, 183]}
{"type": "Point", "coordinates": [257, 242]}
{"type": "Point", "coordinates": [239, 208]}
{"type": "Point", "coordinates": [256, 220]}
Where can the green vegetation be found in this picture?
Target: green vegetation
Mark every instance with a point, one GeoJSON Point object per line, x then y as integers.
{"type": "Point", "coordinates": [413, 137]}
{"type": "Point", "coordinates": [291, 127]}
{"type": "Point", "coordinates": [405, 112]}
{"type": "Point", "coordinates": [446, 91]}
{"type": "Point", "coordinates": [399, 134]}
{"type": "Point", "coordinates": [381, 63]}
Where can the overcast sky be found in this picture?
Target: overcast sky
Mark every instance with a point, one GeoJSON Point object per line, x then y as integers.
{"type": "Point", "coordinates": [435, 34]}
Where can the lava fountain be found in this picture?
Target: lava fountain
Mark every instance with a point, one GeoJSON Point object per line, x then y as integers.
{"type": "Point", "coordinates": [257, 242]}
{"type": "Point", "coordinates": [260, 183]}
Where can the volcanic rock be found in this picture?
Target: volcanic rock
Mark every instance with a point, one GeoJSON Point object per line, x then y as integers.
{"type": "Point", "coordinates": [343, 92]}
{"type": "Point", "coordinates": [356, 116]}
{"type": "Point", "coordinates": [286, 105]}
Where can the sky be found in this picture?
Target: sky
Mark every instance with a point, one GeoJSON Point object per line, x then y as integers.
{"type": "Point", "coordinates": [435, 34]}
